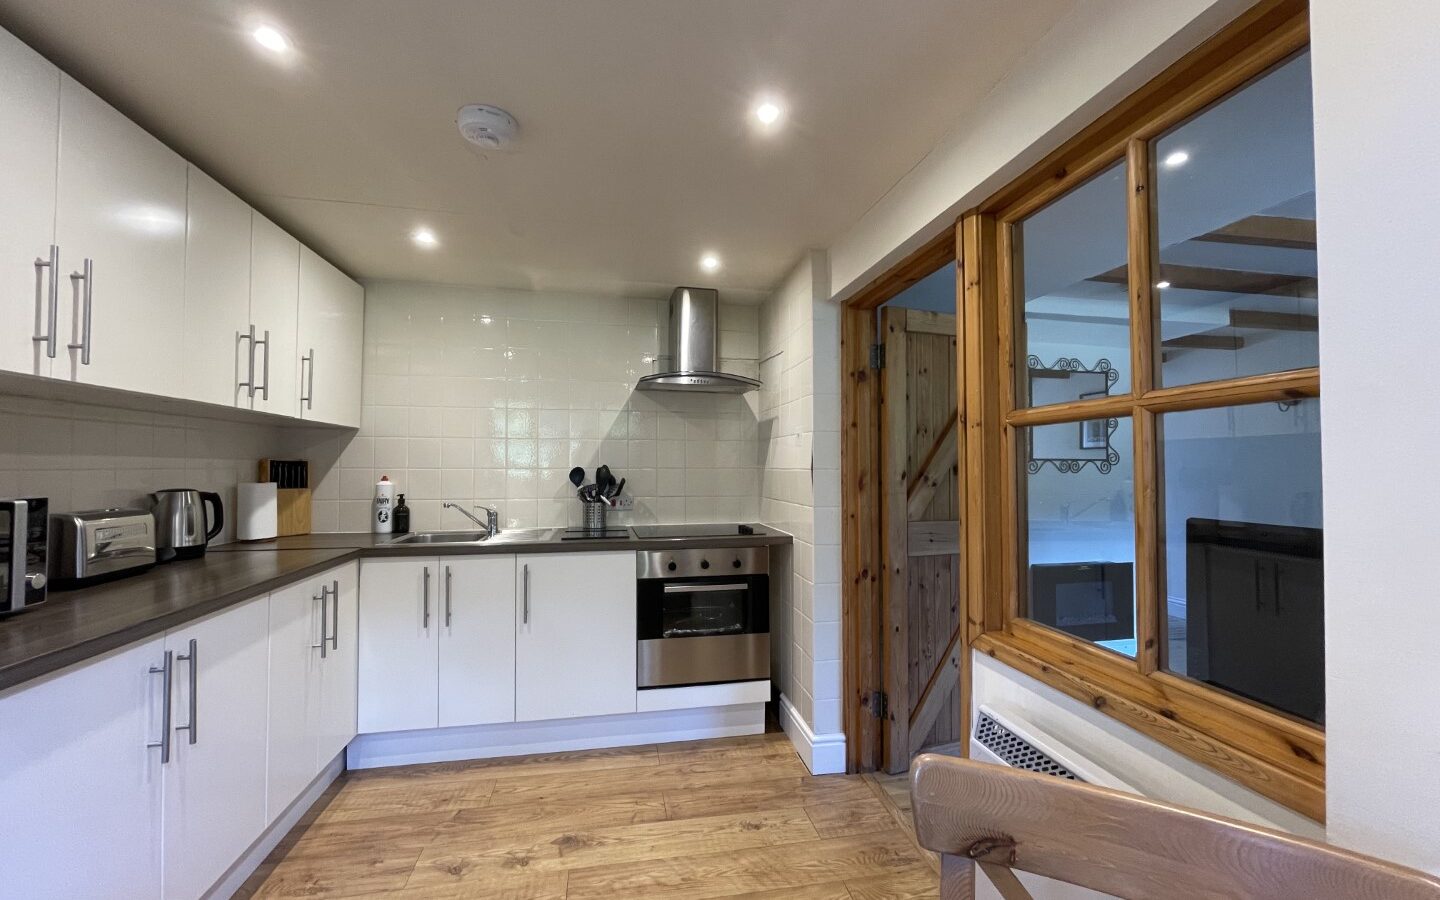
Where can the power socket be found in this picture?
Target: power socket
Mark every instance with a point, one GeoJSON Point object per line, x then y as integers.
{"type": "Point", "coordinates": [623, 502]}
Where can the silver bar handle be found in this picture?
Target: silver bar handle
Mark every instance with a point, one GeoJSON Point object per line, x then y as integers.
{"type": "Point", "coordinates": [447, 596]}
{"type": "Point", "coordinates": [703, 588]}
{"type": "Point", "coordinates": [19, 537]}
{"type": "Point", "coordinates": [335, 614]}
{"type": "Point", "coordinates": [525, 581]}
{"type": "Point", "coordinates": [249, 382]}
{"type": "Point", "coordinates": [191, 658]}
{"type": "Point", "coordinates": [324, 623]}
{"type": "Point", "coordinates": [164, 670]}
{"type": "Point", "coordinates": [307, 388]}
{"type": "Point", "coordinates": [427, 598]}
{"type": "Point", "coordinates": [53, 300]}
{"type": "Point", "coordinates": [87, 275]}
{"type": "Point", "coordinates": [265, 388]}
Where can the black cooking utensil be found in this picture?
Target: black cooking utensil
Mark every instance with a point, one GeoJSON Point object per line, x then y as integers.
{"type": "Point", "coordinates": [618, 488]}
{"type": "Point", "coordinates": [577, 476]}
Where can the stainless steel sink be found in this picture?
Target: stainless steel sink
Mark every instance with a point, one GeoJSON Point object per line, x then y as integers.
{"type": "Point", "coordinates": [443, 537]}
{"type": "Point", "coordinates": [513, 536]}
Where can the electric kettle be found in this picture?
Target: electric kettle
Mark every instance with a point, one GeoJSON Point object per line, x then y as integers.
{"type": "Point", "coordinates": [182, 528]}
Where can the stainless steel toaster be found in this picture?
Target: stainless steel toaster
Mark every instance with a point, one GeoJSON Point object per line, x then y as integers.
{"type": "Point", "coordinates": [99, 544]}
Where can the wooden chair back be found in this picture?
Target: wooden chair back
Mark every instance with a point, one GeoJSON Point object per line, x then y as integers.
{"type": "Point", "coordinates": [1004, 819]}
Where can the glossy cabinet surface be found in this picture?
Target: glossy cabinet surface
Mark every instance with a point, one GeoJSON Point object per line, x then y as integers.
{"type": "Point", "coordinates": [477, 640]}
{"type": "Point", "coordinates": [575, 635]}
{"type": "Point", "coordinates": [331, 342]}
{"type": "Point", "coordinates": [217, 292]}
{"type": "Point", "coordinates": [29, 135]}
{"type": "Point", "coordinates": [215, 781]}
{"type": "Point", "coordinates": [81, 789]}
{"type": "Point", "coordinates": [339, 669]}
{"type": "Point", "coordinates": [274, 305]}
{"type": "Point", "coordinates": [122, 205]}
{"type": "Point", "coordinates": [399, 646]}
{"type": "Point", "coordinates": [294, 687]}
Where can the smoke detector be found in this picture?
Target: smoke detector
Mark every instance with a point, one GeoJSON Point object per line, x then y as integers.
{"type": "Point", "coordinates": [487, 127]}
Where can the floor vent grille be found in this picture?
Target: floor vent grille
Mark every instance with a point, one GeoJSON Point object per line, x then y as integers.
{"type": "Point", "coordinates": [1016, 751]}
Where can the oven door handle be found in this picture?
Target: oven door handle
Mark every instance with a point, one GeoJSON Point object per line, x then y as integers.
{"type": "Point", "coordinates": [703, 588]}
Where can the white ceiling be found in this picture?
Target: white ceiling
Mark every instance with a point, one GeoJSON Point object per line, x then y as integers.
{"type": "Point", "coordinates": [637, 152]}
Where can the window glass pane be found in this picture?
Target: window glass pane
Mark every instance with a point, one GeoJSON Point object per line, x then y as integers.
{"type": "Point", "coordinates": [1235, 213]}
{"type": "Point", "coordinates": [1070, 283]}
{"type": "Point", "coordinates": [1079, 506]}
{"type": "Point", "coordinates": [1243, 573]}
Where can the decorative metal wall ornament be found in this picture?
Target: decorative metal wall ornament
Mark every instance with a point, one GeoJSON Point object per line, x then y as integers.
{"type": "Point", "coordinates": [1089, 431]}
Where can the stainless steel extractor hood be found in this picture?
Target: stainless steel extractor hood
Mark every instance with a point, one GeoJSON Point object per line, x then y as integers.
{"type": "Point", "coordinates": [694, 335]}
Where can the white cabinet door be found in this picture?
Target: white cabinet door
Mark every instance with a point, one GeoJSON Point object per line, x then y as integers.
{"type": "Point", "coordinates": [80, 789]}
{"type": "Point", "coordinates": [294, 693]}
{"type": "Point", "coordinates": [332, 333]}
{"type": "Point", "coordinates": [217, 293]}
{"type": "Point", "coordinates": [477, 640]}
{"type": "Point", "coordinates": [575, 635]}
{"type": "Point", "coordinates": [339, 669]}
{"type": "Point", "coordinates": [29, 131]}
{"type": "Point", "coordinates": [215, 783]}
{"type": "Point", "coordinates": [121, 205]}
{"type": "Point", "coordinates": [274, 308]}
{"type": "Point", "coordinates": [398, 644]}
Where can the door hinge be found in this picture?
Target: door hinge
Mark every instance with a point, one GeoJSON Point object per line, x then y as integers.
{"type": "Point", "coordinates": [879, 704]}
{"type": "Point", "coordinates": [877, 356]}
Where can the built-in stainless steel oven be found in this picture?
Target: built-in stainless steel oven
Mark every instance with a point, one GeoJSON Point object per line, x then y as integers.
{"type": "Point", "coordinates": [704, 616]}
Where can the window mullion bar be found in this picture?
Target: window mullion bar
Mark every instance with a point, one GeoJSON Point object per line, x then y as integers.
{"type": "Point", "coordinates": [1144, 329]}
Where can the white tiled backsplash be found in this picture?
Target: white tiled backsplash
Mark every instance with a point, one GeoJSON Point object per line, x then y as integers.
{"type": "Point", "coordinates": [91, 457]}
{"type": "Point", "coordinates": [491, 396]}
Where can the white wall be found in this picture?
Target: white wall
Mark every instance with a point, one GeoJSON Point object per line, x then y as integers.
{"type": "Point", "coordinates": [800, 494]}
{"type": "Point", "coordinates": [1377, 142]}
{"type": "Point", "coordinates": [491, 396]}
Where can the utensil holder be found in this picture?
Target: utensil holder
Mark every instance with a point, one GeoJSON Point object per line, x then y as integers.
{"type": "Point", "coordinates": [594, 517]}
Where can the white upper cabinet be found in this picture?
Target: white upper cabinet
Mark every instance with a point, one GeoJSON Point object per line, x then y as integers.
{"type": "Point", "coordinates": [29, 132]}
{"type": "Point", "coordinates": [575, 635]}
{"type": "Point", "coordinates": [332, 335]}
{"type": "Point", "coordinates": [274, 306]}
{"type": "Point", "coordinates": [81, 789]}
{"type": "Point", "coordinates": [217, 293]}
{"type": "Point", "coordinates": [120, 225]}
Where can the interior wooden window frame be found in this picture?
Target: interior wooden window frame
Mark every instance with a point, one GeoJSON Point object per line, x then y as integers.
{"type": "Point", "coordinates": [1277, 755]}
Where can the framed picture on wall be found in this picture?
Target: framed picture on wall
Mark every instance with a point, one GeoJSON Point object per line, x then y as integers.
{"type": "Point", "coordinates": [1094, 434]}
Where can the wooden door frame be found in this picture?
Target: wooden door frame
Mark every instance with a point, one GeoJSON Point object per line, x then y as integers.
{"type": "Point", "coordinates": [867, 616]}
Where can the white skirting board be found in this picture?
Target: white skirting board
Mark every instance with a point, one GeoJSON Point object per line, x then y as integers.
{"type": "Point", "coordinates": [399, 748]}
{"type": "Point", "coordinates": [823, 754]}
{"type": "Point", "coordinates": [247, 864]}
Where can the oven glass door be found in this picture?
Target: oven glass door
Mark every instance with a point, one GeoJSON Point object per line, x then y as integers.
{"type": "Point", "coordinates": [709, 607]}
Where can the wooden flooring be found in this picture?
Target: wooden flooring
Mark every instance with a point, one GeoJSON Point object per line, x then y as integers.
{"type": "Point", "coordinates": [734, 817]}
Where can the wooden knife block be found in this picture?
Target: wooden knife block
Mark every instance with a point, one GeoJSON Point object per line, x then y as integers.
{"type": "Point", "coordinates": [292, 506]}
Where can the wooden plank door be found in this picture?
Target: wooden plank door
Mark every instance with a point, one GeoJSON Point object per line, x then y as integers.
{"type": "Point", "coordinates": [922, 604]}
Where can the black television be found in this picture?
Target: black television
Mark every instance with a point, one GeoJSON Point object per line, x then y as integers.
{"type": "Point", "coordinates": [1255, 612]}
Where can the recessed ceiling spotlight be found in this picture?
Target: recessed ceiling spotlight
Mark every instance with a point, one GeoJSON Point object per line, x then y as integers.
{"type": "Point", "coordinates": [1178, 158]}
{"type": "Point", "coordinates": [1162, 285]}
{"type": "Point", "coordinates": [710, 262]}
{"type": "Point", "coordinates": [424, 237]}
{"type": "Point", "coordinates": [768, 112]}
{"type": "Point", "coordinates": [271, 39]}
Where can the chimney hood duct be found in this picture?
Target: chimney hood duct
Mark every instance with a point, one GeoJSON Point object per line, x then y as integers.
{"type": "Point", "coordinates": [694, 335]}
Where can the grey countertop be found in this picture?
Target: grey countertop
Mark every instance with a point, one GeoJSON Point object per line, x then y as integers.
{"type": "Point", "coordinates": [73, 626]}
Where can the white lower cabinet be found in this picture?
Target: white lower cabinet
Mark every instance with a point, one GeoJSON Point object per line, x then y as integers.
{"type": "Point", "coordinates": [81, 787]}
{"type": "Point", "coordinates": [436, 642]}
{"type": "Point", "coordinates": [312, 682]}
{"type": "Point", "coordinates": [214, 784]}
{"type": "Point", "coordinates": [575, 635]}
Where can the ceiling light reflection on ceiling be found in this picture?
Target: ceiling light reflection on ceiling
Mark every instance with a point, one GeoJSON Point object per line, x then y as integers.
{"type": "Point", "coordinates": [424, 237]}
{"type": "Point", "coordinates": [1162, 285]}
{"type": "Point", "coordinates": [768, 112]}
{"type": "Point", "coordinates": [1177, 159]}
{"type": "Point", "coordinates": [710, 262]}
{"type": "Point", "coordinates": [271, 39]}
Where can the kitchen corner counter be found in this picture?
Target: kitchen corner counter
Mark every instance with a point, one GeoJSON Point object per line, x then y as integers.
{"type": "Point", "coordinates": [74, 626]}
